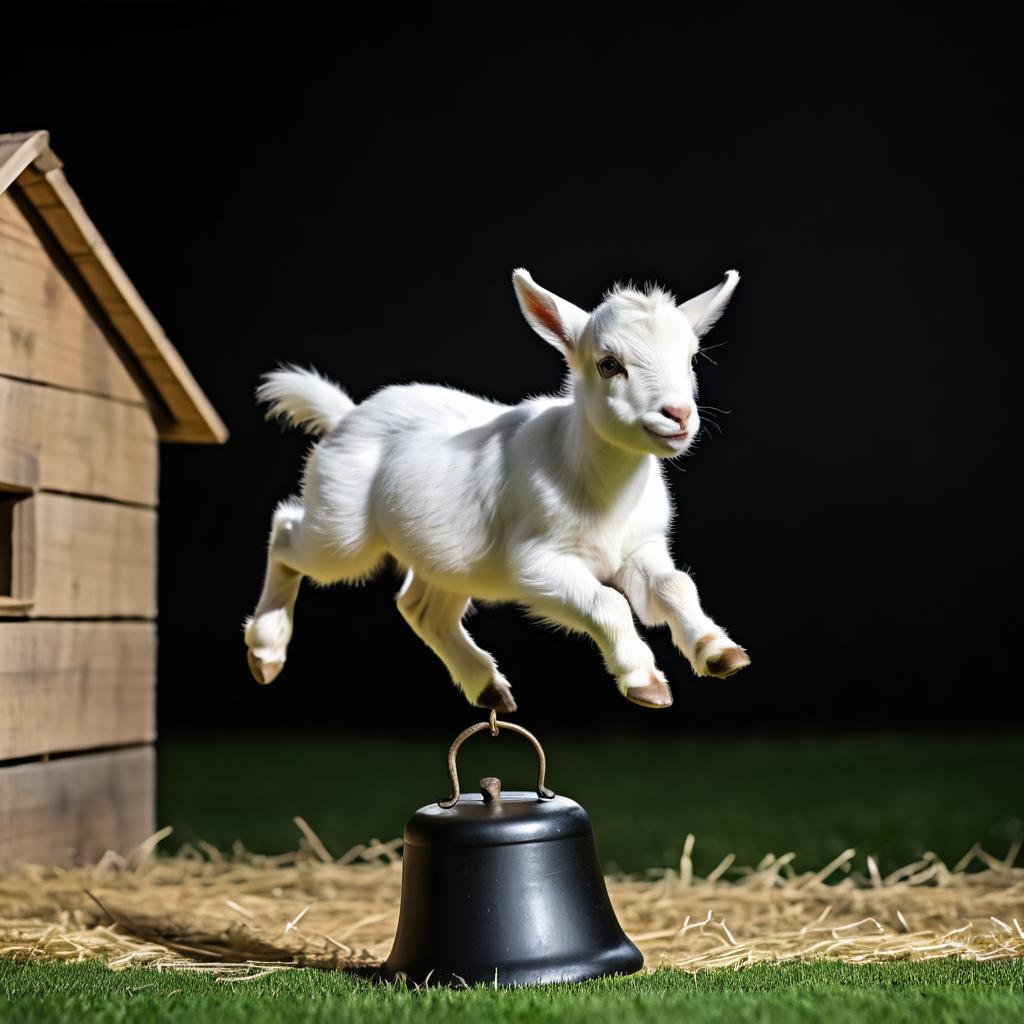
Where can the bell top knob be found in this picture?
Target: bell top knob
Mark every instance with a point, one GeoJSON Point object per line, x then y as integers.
{"type": "Point", "coordinates": [490, 788]}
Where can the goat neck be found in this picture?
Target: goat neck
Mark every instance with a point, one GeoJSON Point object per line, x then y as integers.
{"type": "Point", "coordinates": [600, 476]}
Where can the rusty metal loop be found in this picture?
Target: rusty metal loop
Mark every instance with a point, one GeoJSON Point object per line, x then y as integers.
{"type": "Point", "coordinates": [494, 725]}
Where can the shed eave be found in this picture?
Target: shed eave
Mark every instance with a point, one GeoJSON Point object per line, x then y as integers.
{"type": "Point", "coordinates": [27, 161]}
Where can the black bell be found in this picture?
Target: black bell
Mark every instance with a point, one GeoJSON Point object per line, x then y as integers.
{"type": "Point", "coordinates": [506, 888]}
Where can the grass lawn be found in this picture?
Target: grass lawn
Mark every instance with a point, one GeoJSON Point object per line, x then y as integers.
{"type": "Point", "coordinates": [894, 797]}
{"type": "Point", "coordinates": [937, 991]}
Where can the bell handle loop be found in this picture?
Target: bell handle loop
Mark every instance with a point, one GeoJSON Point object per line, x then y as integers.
{"type": "Point", "coordinates": [493, 725]}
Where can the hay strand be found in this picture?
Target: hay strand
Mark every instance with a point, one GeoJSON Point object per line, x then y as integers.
{"type": "Point", "coordinates": [245, 915]}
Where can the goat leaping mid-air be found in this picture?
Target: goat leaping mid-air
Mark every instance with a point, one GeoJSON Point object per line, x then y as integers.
{"type": "Point", "coordinates": [558, 503]}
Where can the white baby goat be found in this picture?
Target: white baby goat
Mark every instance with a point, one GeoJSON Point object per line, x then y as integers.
{"type": "Point", "coordinates": [558, 503]}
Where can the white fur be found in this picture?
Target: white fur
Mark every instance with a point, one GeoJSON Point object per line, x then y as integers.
{"type": "Point", "coordinates": [305, 399]}
{"type": "Point", "coordinates": [558, 503]}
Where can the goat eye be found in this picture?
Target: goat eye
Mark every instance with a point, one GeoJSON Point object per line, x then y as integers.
{"type": "Point", "coordinates": [609, 366]}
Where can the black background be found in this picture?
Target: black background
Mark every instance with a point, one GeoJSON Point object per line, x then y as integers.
{"type": "Point", "coordinates": [355, 195]}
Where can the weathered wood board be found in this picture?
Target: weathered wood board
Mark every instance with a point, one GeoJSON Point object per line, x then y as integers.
{"type": "Point", "coordinates": [46, 334]}
{"type": "Point", "coordinates": [69, 441]}
{"type": "Point", "coordinates": [68, 686]}
{"type": "Point", "coordinates": [91, 558]}
{"type": "Point", "coordinates": [72, 810]}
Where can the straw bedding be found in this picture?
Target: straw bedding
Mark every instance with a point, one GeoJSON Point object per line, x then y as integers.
{"type": "Point", "coordinates": [244, 915]}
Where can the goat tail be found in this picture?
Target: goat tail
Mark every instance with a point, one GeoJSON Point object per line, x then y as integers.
{"type": "Point", "coordinates": [304, 398]}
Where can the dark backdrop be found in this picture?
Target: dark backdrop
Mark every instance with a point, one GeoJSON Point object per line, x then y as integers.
{"type": "Point", "coordinates": [357, 195]}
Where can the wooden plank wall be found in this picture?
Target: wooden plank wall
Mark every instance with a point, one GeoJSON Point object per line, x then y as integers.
{"type": "Point", "coordinates": [80, 443]}
{"type": "Point", "coordinates": [79, 460]}
{"type": "Point", "coordinates": [74, 809]}
{"type": "Point", "coordinates": [45, 333]}
{"type": "Point", "coordinates": [75, 685]}
{"type": "Point", "coordinates": [93, 558]}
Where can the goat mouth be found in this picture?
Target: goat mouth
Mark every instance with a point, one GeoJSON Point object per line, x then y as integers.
{"type": "Point", "coordinates": [671, 439]}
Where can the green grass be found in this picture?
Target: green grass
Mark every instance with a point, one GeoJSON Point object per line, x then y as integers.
{"type": "Point", "coordinates": [894, 797]}
{"type": "Point", "coordinates": [891, 796]}
{"type": "Point", "coordinates": [938, 991]}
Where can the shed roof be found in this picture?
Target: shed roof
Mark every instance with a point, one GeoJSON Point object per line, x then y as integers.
{"type": "Point", "coordinates": [26, 158]}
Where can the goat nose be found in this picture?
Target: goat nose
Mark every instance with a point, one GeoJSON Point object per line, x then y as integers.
{"type": "Point", "coordinates": [679, 413]}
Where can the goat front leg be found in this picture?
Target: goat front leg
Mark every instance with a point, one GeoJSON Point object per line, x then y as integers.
{"type": "Point", "coordinates": [561, 589]}
{"type": "Point", "coordinates": [435, 616]}
{"type": "Point", "coordinates": [661, 594]}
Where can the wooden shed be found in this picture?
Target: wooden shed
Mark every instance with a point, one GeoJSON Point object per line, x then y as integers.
{"type": "Point", "coordinates": [89, 387]}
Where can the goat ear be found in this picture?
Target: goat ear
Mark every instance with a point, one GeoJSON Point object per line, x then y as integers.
{"type": "Point", "coordinates": [556, 320]}
{"type": "Point", "coordinates": [704, 310]}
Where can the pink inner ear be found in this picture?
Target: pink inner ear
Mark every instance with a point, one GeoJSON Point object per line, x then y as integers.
{"type": "Point", "coordinates": [546, 313]}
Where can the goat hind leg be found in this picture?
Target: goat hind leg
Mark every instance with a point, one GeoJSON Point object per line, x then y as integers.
{"type": "Point", "coordinates": [269, 628]}
{"type": "Point", "coordinates": [435, 616]}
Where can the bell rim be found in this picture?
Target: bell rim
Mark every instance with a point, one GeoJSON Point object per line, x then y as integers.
{"type": "Point", "coordinates": [536, 971]}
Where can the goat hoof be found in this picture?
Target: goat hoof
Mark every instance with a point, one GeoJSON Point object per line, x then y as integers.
{"type": "Point", "coordinates": [263, 671]}
{"type": "Point", "coordinates": [497, 697]}
{"type": "Point", "coordinates": [727, 662]}
{"type": "Point", "coordinates": [655, 694]}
